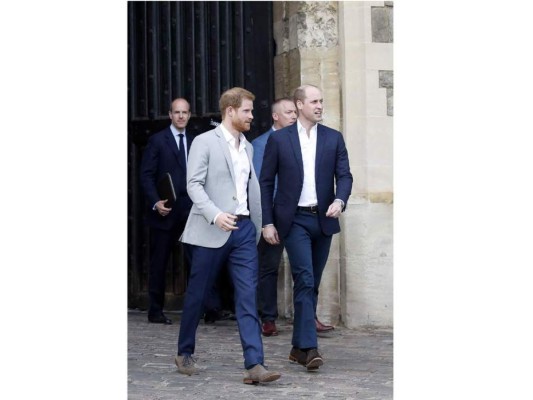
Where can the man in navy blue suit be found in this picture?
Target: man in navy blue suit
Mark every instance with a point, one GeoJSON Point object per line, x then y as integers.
{"type": "Point", "coordinates": [314, 183]}
{"type": "Point", "coordinates": [166, 152]}
{"type": "Point", "coordinates": [283, 114]}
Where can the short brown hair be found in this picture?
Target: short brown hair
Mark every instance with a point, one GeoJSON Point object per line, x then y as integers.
{"type": "Point", "coordinates": [299, 93]}
{"type": "Point", "coordinates": [233, 98]}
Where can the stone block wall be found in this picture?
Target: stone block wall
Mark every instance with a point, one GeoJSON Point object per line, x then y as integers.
{"type": "Point", "coordinates": [365, 36]}
{"type": "Point", "coordinates": [345, 48]}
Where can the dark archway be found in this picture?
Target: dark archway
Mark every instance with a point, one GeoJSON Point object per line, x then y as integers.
{"type": "Point", "coordinates": [195, 50]}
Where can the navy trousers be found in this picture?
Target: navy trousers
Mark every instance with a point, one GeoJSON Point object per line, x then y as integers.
{"type": "Point", "coordinates": [308, 250]}
{"type": "Point", "coordinates": [267, 288]}
{"type": "Point", "coordinates": [240, 254]}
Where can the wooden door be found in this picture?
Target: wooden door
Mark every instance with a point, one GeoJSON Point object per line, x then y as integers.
{"type": "Point", "coordinates": [195, 50]}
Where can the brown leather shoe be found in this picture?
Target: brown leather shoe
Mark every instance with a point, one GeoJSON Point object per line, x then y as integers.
{"type": "Point", "coordinates": [313, 360]}
{"type": "Point", "coordinates": [321, 328]}
{"type": "Point", "coordinates": [258, 374]}
{"type": "Point", "coordinates": [269, 328]}
{"type": "Point", "coordinates": [186, 364]}
{"type": "Point", "coordinates": [301, 357]}
{"type": "Point", "coordinates": [298, 356]}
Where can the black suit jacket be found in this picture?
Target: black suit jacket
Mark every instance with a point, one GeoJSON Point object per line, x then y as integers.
{"type": "Point", "coordinates": [160, 157]}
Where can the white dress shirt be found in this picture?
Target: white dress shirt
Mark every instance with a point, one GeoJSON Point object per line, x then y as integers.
{"type": "Point", "coordinates": [175, 132]}
{"type": "Point", "coordinates": [308, 146]}
{"type": "Point", "coordinates": [241, 170]}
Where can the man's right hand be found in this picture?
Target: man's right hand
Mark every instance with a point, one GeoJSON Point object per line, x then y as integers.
{"type": "Point", "coordinates": [270, 233]}
{"type": "Point", "coordinates": [226, 222]}
{"type": "Point", "coordinates": [161, 209]}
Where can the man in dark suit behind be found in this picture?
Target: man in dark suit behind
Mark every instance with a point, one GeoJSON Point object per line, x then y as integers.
{"type": "Point", "coordinates": [314, 183]}
{"type": "Point", "coordinates": [283, 114]}
{"type": "Point", "coordinates": [166, 152]}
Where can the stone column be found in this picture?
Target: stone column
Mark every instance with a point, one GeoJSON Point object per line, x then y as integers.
{"type": "Point", "coordinates": [306, 36]}
{"type": "Point", "coordinates": [366, 74]}
{"type": "Point", "coordinates": [345, 48]}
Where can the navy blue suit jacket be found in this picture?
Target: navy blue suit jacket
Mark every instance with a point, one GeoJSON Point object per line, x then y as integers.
{"type": "Point", "coordinates": [283, 157]}
{"type": "Point", "coordinates": [259, 144]}
{"type": "Point", "coordinates": [160, 157]}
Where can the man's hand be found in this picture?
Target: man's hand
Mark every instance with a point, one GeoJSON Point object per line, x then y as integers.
{"type": "Point", "coordinates": [334, 210]}
{"type": "Point", "coordinates": [270, 233]}
{"type": "Point", "coordinates": [226, 222]}
{"type": "Point", "coordinates": [161, 209]}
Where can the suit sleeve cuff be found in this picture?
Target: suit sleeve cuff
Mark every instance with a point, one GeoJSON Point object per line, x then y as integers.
{"type": "Point", "coordinates": [342, 202]}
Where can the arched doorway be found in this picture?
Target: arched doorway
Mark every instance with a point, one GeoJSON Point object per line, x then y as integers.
{"type": "Point", "coordinates": [194, 50]}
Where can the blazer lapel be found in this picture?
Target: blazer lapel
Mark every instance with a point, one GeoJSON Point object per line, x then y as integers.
{"type": "Point", "coordinates": [172, 145]}
{"type": "Point", "coordinates": [190, 138]}
{"type": "Point", "coordinates": [296, 148]}
{"type": "Point", "coordinates": [321, 138]}
{"type": "Point", "coordinates": [248, 150]}
{"type": "Point", "coordinates": [224, 145]}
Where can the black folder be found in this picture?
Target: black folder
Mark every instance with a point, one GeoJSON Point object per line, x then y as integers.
{"type": "Point", "coordinates": [165, 189]}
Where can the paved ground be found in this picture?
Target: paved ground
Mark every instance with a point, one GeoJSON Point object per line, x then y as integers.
{"type": "Point", "coordinates": [358, 364]}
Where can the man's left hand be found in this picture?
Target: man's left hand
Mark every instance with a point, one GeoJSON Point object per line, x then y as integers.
{"type": "Point", "coordinates": [334, 210]}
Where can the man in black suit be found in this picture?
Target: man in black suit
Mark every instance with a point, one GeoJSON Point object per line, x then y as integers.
{"type": "Point", "coordinates": [166, 152]}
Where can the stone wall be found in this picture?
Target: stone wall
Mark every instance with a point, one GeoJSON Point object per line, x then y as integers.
{"type": "Point", "coordinates": [345, 48]}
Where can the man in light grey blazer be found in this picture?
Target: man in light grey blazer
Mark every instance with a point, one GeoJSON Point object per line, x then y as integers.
{"type": "Point", "coordinates": [224, 226]}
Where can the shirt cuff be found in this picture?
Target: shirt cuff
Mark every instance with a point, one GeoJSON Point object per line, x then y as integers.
{"type": "Point", "coordinates": [215, 219]}
{"type": "Point", "coordinates": [342, 202]}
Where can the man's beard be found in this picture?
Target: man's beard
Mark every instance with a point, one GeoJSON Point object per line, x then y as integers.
{"type": "Point", "coordinates": [242, 126]}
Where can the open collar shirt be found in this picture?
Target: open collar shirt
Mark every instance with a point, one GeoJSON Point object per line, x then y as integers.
{"type": "Point", "coordinates": [308, 145]}
{"type": "Point", "coordinates": [241, 169]}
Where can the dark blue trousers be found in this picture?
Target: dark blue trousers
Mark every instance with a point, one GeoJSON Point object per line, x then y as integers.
{"type": "Point", "coordinates": [267, 288]}
{"type": "Point", "coordinates": [240, 254]}
{"type": "Point", "coordinates": [308, 250]}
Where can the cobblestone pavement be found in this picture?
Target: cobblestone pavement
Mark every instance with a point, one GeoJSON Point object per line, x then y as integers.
{"type": "Point", "coordinates": [358, 364]}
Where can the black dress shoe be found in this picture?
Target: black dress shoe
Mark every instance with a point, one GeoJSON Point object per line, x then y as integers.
{"type": "Point", "coordinates": [160, 319]}
{"type": "Point", "coordinates": [227, 315]}
{"type": "Point", "coordinates": [212, 316]}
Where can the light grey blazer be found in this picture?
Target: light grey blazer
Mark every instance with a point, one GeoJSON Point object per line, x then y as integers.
{"type": "Point", "coordinates": [211, 187]}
